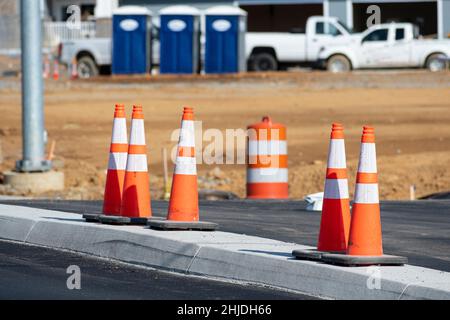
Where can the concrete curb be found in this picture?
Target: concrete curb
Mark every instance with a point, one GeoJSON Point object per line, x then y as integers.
{"type": "Point", "coordinates": [221, 255]}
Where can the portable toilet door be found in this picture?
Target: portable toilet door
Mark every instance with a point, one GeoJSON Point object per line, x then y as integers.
{"type": "Point", "coordinates": [131, 40]}
{"type": "Point", "coordinates": [225, 39]}
{"type": "Point", "coordinates": [179, 40]}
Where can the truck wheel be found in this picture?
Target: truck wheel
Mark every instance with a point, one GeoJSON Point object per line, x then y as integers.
{"type": "Point", "coordinates": [263, 62]}
{"type": "Point", "coordinates": [87, 67]}
{"type": "Point", "coordinates": [338, 63]}
{"type": "Point", "coordinates": [437, 62]}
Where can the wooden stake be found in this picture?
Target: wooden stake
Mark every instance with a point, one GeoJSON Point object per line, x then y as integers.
{"type": "Point", "coordinates": [412, 192]}
{"type": "Point", "coordinates": [166, 175]}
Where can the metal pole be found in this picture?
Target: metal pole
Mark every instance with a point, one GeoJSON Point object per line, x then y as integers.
{"type": "Point", "coordinates": [33, 158]}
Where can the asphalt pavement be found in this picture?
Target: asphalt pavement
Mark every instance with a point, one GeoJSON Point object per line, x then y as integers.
{"type": "Point", "coordinates": [419, 230]}
{"type": "Point", "coordinates": [31, 272]}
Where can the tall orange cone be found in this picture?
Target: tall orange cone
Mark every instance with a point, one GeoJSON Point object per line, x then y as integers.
{"type": "Point", "coordinates": [55, 70]}
{"type": "Point", "coordinates": [74, 69]}
{"type": "Point", "coordinates": [46, 72]}
{"type": "Point", "coordinates": [365, 240]}
{"type": "Point", "coordinates": [116, 166]}
{"type": "Point", "coordinates": [118, 153]}
{"type": "Point", "coordinates": [365, 232]}
{"type": "Point", "coordinates": [183, 204]}
{"type": "Point", "coordinates": [183, 210]}
{"type": "Point", "coordinates": [135, 206]}
{"type": "Point", "coordinates": [335, 222]}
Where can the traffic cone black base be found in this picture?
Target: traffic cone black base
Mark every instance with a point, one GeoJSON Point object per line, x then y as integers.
{"type": "Point", "coordinates": [122, 220]}
{"type": "Point", "coordinates": [167, 225]}
{"type": "Point", "coordinates": [91, 217]}
{"type": "Point", "coordinates": [359, 261]}
{"type": "Point", "coordinates": [309, 254]}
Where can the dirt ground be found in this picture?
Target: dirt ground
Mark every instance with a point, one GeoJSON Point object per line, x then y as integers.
{"type": "Point", "coordinates": [409, 109]}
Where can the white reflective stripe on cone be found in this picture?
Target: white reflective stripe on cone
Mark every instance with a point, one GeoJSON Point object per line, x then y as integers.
{"type": "Point", "coordinates": [119, 134]}
{"type": "Point", "coordinates": [366, 193]}
{"type": "Point", "coordinates": [368, 158]}
{"type": "Point", "coordinates": [187, 134]}
{"type": "Point", "coordinates": [336, 154]}
{"type": "Point", "coordinates": [137, 136]}
{"type": "Point", "coordinates": [186, 165]}
{"type": "Point", "coordinates": [267, 147]}
{"type": "Point", "coordinates": [117, 161]}
{"type": "Point", "coordinates": [336, 189]}
{"type": "Point", "coordinates": [263, 175]}
{"type": "Point", "coordinates": [137, 163]}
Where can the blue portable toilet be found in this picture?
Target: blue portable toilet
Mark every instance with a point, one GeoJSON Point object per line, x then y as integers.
{"type": "Point", "coordinates": [131, 40]}
{"type": "Point", "coordinates": [179, 39]}
{"type": "Point", "coordinates": [225, 39]}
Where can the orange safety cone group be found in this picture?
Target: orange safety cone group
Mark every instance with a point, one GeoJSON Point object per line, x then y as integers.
{"type": "Point", "coordinates": [359, 242]}
{"type": "Point", "coordinates": [344, 239]}
{"type": "Point", "coordinates": [183, 212]}
{"type": "Point", "coordinates": [135, 207]}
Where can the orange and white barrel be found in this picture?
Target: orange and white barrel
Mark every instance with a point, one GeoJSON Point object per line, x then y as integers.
{"type": "Point", "coordinates": [183, 204]}
{"type": "Point", "coordinates": [267, 164]}
{"type": "Point", "coordinates": [117, 163]}
{"type": "Point", "coordinates": [365, 237]}
{"type": "Point", "coordinates": [136, 193]}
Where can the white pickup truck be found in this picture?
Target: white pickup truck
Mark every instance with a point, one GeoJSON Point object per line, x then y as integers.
{"type": "Point", "coordinates": [390, 45]}
{"type": "Point", "coordinates": [265, 51]}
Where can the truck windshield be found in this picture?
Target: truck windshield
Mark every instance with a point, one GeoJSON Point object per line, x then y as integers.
{"type": "Point", "coordinates": [344, 26]}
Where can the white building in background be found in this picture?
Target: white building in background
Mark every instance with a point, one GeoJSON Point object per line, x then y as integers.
{"type": "Point", "coordinates": [432, 16]}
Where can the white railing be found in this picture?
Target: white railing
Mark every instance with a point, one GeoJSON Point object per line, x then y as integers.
{"type": "Point", "coordinates": [55, 32]}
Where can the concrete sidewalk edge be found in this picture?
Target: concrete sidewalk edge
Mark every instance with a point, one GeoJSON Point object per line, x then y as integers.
{"type": "Point", "coordinates": [220, 255]}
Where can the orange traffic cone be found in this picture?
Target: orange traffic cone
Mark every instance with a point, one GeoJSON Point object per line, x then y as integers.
{"type": "Point", "coordinates": [335, 222]}
{"type": "Point", "coordinates": [365, 233]}
{"type": "Point", "coordinates": [116, 167]}
{"type": "Point", "coordinates": [74, 70]}
{"type": "Point", "coordinates": [117, 163]}
{"type": "Point", "coordinates": [183, 204]}
{"type": "Point", "coordinates": [135, 206]}
{"type": "Point", "coordinates": [55, 70]}
{"type": "Point", "coordinates": [365, 240]}
{"type": "Point", "coordinates": [183, 210]}
{"type": "Point", "coordinates": [46, 72]}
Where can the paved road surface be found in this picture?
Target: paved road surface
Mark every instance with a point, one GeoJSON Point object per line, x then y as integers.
{"type": "Point", "coordinates": [30, 272]}
{"type": "Point", "coordinates": [419, 230]}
